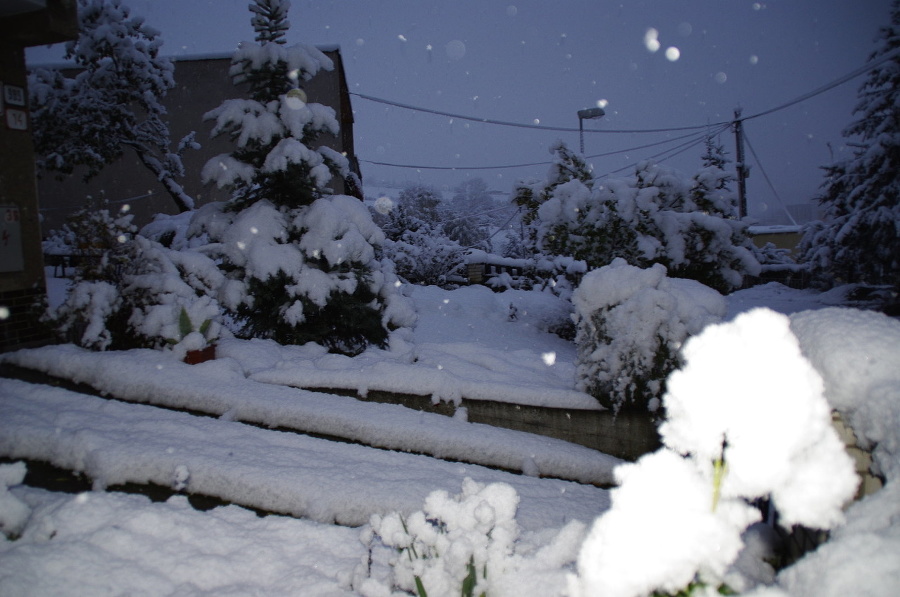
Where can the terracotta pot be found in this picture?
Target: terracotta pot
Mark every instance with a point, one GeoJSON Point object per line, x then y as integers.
{"type": "Point", "coordinates": [202, 355]}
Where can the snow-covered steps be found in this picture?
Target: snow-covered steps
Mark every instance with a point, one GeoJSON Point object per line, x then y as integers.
{"type": "Point", "coordinates": [219, 388]}
{"type": "Point", "coordinates": [117, 443]}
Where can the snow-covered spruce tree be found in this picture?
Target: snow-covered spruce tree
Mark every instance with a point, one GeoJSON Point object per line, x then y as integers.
{"type": "Point", "coordinates": [860, 239]}
{"type": "Point", "coordinates": [530, 195]}
{"type": "Point", "coordinates": [301, 264]}
{"type": "Point", "coordinates": [112, 103]}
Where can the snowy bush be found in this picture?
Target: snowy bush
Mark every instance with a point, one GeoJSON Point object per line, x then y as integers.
{"type": "Point", "coordinates": [466, 545]}
{"type": "Point", "coordinates": [656, 216]}
{"type": "Point", "coordinates": [159, 298]}
{"type": "Point", "coordinates": [421, 253]}
{"type": "Point", "coordinates": [731, 435]}
{"type": "Point", "coordinates": [95, 239]}
{"type": "Point", "coordinates": [631, 323]}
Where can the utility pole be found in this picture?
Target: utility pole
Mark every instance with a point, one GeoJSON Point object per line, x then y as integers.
{"type": "Point", "coordinates": [741, 167]}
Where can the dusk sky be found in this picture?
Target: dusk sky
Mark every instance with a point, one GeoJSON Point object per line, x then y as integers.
{"type": "Point", "coordinates": [538, 62]}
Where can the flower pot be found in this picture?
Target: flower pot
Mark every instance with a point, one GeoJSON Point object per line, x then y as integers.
{"type": "Point", "coordinates": [193, 357]}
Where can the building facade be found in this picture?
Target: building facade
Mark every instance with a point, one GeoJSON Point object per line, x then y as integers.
{"type": "Point", "coordinates": [202, 83]}
{"type": "Point", "coordinates": [23, 23]}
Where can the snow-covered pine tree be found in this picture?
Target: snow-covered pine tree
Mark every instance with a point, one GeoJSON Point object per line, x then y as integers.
{"type": "Point", "coordinates": [710, 192]}
{"type": "Point", "coordinates": [860, 238]}
{"type": "Point", "coordinates": [112, 103]}
{"type": "Point", "coordinates": [301, 263]}
{"type": "Point", "coordinates": [567, 166]}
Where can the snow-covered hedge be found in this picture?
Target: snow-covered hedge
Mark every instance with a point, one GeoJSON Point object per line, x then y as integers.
{"type": "Point", "coordinates": [631, 323]}
{"type": "Point", "coordinates": [158, 298]}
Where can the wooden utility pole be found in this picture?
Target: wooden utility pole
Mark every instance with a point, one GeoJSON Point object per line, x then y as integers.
{"type": "Point", "coordinates": [741, 166]}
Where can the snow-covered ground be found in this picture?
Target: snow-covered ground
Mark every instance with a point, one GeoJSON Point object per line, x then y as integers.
{"type": "Point", "coordinates": [465, 344]}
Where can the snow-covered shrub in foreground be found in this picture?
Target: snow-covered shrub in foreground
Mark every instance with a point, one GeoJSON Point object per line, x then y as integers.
{"type": "Point", "coordinates": [732, 435]}
{"type": "Point", "coordinates": [469, 544]}
{"type": "Point", "coordinates": [631, 323]}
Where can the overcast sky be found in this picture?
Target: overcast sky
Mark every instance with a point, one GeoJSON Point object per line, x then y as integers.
{"type": "Point", "coordinates": [539, 62]}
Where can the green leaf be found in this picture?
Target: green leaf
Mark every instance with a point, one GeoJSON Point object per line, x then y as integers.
{"type": "Point", "coordinates": [184, 323]}
{"type": "Point", "coordinates": [468, 585]}
{"type": "Point", "coordinates": [205, 327]}
{"type": "Point", "coordinates": [420, 588]}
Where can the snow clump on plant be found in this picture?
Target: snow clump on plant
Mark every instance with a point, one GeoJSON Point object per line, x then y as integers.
{"type": "Point", "coordinates": [732, 435]}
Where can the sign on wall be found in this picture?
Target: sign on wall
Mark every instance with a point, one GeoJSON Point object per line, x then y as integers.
{"type": "Point", "coordinates": [11, 256]}
{"type": "Point", "coordinates": [16, 117]}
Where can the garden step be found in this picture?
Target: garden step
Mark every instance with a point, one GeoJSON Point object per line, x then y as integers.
{"type": "Point", "coordinates": [114, 443]}
{"type": "Point", "coordinates": [216, 389]}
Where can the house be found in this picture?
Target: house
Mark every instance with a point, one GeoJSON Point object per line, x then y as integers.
{"type": "Point", "coordinates": [202, 83]}
{"type": "Point", "coordinates": [23, 23]}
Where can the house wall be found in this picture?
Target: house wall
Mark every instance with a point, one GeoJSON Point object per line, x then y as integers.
{"type": "Point", "coordinates": [202, 83]}
{"type": "Point", "coordinates": [21, 264]}
{"type": "Point", "coordinates": [783, 237]}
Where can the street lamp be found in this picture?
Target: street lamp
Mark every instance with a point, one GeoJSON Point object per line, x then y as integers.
{"type": "Point", "coordinates": [587, 114]}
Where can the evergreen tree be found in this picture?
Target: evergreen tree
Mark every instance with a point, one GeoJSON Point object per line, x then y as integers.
{"type": "Point", "coordinates": [860, 238]}
{"type": "Point", "coordinates": [529, 196]}
{"type": "Point", "coordinates": [301, 264]}
{"type": "Point", "coordinates": [112, 103]}
{"type": "Point", "coordinates": [652, 217]}
{"type": "Point", "coordinates": [423, 202]}
{"type": "Point", "coordinates": [710, 192]}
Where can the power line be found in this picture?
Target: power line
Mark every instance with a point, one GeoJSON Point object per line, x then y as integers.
{"type": "Point", "coordinates": [827, 87]}
{"type": "Point", "coordinates": [818, 91]}
{"type": "Point", "coordinates": [673, 151]}
{"type": "Point", "coordinates": [545, 162]}
{"type": "Point", "coordinates": [517, 124]}
{"type": "Point", "coordinates": [768, 181]}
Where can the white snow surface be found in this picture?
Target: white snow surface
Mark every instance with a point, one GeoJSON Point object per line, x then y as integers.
{"type": "Point", "coordinates": [219, 388]}
{"type": "Point", "coordinates": [463, 345]}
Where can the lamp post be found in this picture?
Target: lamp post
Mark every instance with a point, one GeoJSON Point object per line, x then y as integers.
{"type": "Point", "coordinates": [587, 114]}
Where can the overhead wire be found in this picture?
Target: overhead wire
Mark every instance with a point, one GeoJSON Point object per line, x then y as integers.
{"type": "Point", "coordinates": [543, 163]}
{"type": "Point", "coordinates": [768, 180]}
{"type": "Point", "coordinates": [516, 124]}
{"type": "Point", "coordinates": [799, 99]}
{"type": "Point", "coordinates": [668, 154]}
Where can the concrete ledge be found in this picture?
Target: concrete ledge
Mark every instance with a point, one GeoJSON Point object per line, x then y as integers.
{"type": "Point", "coordinates": [627, 436]}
